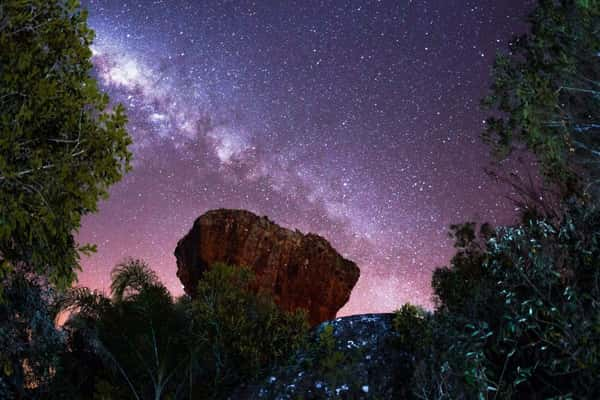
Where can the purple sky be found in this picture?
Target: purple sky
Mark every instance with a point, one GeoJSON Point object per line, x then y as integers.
{"type": "Point", "coordinates": [356, 120]}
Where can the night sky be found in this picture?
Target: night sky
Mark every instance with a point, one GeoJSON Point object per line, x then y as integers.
{"type": "Point", "coordinates": [356, 120]}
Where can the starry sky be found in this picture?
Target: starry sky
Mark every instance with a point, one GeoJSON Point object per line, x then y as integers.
{"type": "Point", "coordinates": [356, 120]}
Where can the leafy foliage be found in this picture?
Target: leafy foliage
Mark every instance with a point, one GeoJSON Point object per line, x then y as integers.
{"type": "Point", "coordinates": [546, 93]}
{"type": "Point", "coordinates": [412, 327]}
{"type": "Point", "coordinates": [144, 344]}
{"type": "Point", "coordinates": [454, 286]}
{"type": "Point", "coordinates": [139, 337]}
{"type": "Point", "coordinates": [240, 332]}
{"type": "Point", "coordinates": [518, 312]}
{"type": "Point", "coordinates": [528, 325]}
{"type": "Point", "coordinates": [332, 359]}
{"type": "Point", "coordinates": [61, 146]}
{"type": "Point", "coordinates": [29, 342]}
{"type": "Point", "coordinates": [328, 360]}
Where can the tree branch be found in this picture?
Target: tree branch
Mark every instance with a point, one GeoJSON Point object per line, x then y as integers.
{"type": "Point", "coordinates": [44, 167]}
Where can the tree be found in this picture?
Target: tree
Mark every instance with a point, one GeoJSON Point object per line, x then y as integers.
{"type": "Point", "coordinates": [139, 334]}
{"type": "Point", "coordinates": [412, 339]}
{"type": "Point", "coordinates": [85, 364]}
{"type": "Point", "coordinates": [546, 94]}
{"type": "Point", "coordinates": [142, 344]}
{"type": "Point", "coordinates": [527, 323]}
{"type": "Point", "coordinates": [61, 144]}
{"type": "Point", "coordinates": [239, 333]}
{"type": "Point", "coordinates": [456, 287]}
{"type": "Point", "coordinates": [29, 341]}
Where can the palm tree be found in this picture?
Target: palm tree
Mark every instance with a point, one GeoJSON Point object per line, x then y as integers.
{"type": "Point", "coordinates": [131, 277]}
{"type": "Point", "coordinates": [139, 332]}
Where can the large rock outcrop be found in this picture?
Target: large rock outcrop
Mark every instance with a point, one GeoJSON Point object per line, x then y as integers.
{"type": "Point", "coordinates": [368, 365]}
{"type": "Point", "coordinates": [302, 271]}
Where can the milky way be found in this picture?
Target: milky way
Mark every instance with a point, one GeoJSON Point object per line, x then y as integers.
{"type": "Point", "coordinates": [355, 120]}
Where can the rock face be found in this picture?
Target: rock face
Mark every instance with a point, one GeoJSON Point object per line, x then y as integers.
{"type": "Point", "coordinates": [302, 271]}
{"type": "Point", "coordinates": [368, 366]}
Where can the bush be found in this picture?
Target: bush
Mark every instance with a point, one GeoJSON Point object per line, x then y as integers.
{"type": "Point", "coordinates": [412, 326]}
{"type": "Point", "coordinates": [142, 343]}
{"type": "Point", "coordinates": [412, 339]}
{"type": "Point", "coordinates": [240, 333]}
{"type": "Point", "coordinates": [328, 359]}
{"type": "Point", "coordinates": [528, 324]}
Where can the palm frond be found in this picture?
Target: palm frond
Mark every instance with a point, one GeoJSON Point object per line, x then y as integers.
{"type": "Point", "coordinates": [86, 302]}
{"type": "Point", "coordinates": [132, 276]}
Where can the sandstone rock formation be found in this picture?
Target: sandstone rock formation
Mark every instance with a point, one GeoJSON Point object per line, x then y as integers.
{"type": "Point", "coordinates": [302, 271]}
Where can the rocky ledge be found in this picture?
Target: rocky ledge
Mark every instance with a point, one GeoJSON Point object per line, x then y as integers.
{"type": "Point", "coordinates": [349, 358]}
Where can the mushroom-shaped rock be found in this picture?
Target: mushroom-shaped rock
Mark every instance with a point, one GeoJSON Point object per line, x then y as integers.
{"type": "Point", "coordinates": [301, 271]}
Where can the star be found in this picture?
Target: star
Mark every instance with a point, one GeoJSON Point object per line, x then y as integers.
{"type": "Point", "coordinates": [354, 121]}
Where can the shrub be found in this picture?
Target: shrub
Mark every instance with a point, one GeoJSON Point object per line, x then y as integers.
{"type": "Point", "coordinates": [240, 332]}
{"type": "Point", "coordinates": [529, 323]}
{"type": "Point", "coordinates": [412, 327]}
{"type": "Point", "coordinates": [412, 339]}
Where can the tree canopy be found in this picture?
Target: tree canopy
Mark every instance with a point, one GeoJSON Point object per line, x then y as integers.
{"type": "Point", "coordinates": [546, 94]}
{"type": "Point", "coordinates": [61, 143]}
{"type": "Point", "coordinates": [29, 341]}
{"type": "Point", "coordinates": [518, 313]}
{"type": "Point", "coordinates": [517, 309]}
{"type": "Point", "coordinates": [144, 344]}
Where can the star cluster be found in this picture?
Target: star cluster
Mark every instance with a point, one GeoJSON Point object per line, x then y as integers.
{"type": "Point", "coordinates": [355, 120]}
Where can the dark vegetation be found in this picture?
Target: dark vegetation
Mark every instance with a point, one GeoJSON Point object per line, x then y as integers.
{"type": "Point", "coordinates": [518, 314]}
{"type": "Point", "coordinates": [61, 145]}
{"type": "Point", "coordinates": [517, 310]}
{"type": "Point", "coordinates": [141, 343]}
